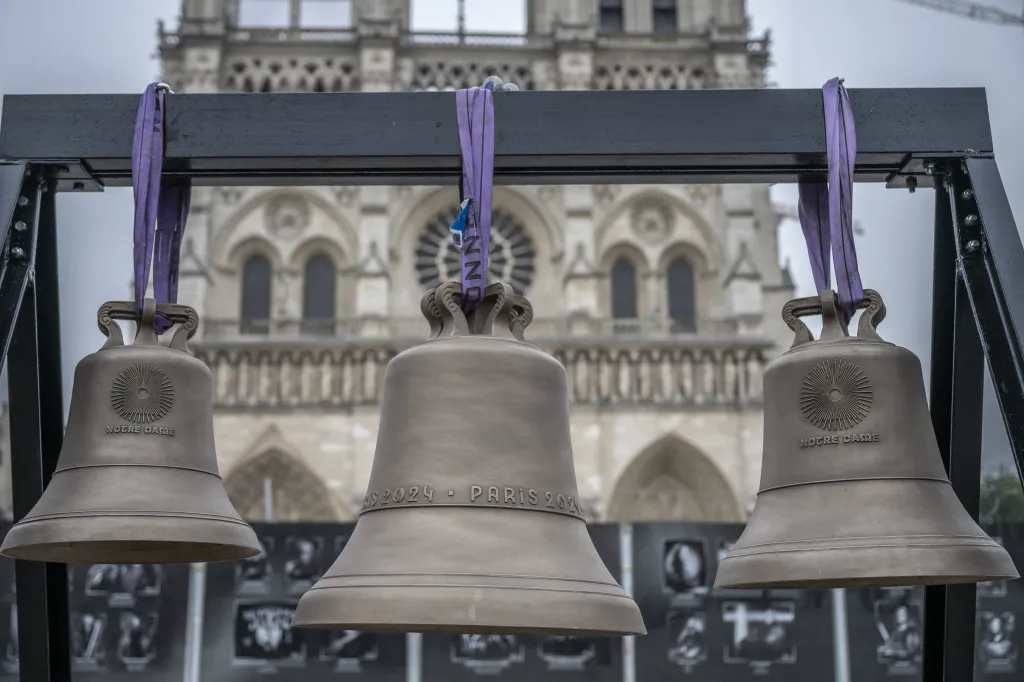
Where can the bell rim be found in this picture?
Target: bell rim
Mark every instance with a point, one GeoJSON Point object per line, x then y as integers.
{"type": "Point", "coordinates": [467, 611]}
{"type": "Point", "coordinates": [167, 538]}
{"type": "Point", "coordinates": [858, 567]}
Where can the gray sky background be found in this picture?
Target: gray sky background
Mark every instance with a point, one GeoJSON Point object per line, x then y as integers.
{"type": "Point", "coordinates": [81, 46]}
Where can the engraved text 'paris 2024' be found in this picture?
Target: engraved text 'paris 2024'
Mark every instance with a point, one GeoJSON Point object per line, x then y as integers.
{"type": "Point", "coordinates": [474, 496]}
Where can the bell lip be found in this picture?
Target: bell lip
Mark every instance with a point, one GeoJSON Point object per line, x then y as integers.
{"type": "Point", "coordinates": [857, 567]}
{"type": "Point", "coordinates": [467, 610]}
{"type": "Point", "coordinates": [144, 540]}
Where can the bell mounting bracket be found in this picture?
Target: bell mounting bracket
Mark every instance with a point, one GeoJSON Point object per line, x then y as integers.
{"type": "Point", "coordinates": [501, 312]}
{"type": "Point", "coordinates": [185, 317]}
{"type": "Point", "coordinates": [834, 325]}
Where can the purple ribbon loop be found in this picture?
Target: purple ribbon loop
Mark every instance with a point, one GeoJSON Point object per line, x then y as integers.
{"type": "Point", "coordinates": [826, 210]}
{"type": "Point", "coordinates": [475, 111]}
{"type": "Point", "coordinates": [160, 212]}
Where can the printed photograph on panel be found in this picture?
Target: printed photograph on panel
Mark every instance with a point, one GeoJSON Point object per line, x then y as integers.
{"type": "Point", "coordinates": [349, 650]}
{"type": "Point", "coordinates": [687, 637]}
{"type": "Point", "coordinates": [252, 575]}
{"type": "Point", "coordinates": [997, 647]}
{"type": "Point", "coordinates": [487, 654]}
{"type": "Point", "coordinates": [898, 620]}
{"type": "Point", "coordinates": [136, 641]}
{"type": "Point", "coordinates": [264, 635]}
{"type": "Point", "coordinates": [760, 632]}
{"type": "Point", "coordinates": [88, 648]}
{"type": "Point", "coordinates": [303, 562]}
{"type": "Point", "coordinates": [123, 583]}
{"type": "Point", "coordinates": [566, 652]}
{"type": "Point", "coordinates": [684, 567]}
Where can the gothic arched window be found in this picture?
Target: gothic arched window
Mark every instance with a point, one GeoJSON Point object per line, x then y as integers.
{"type": "Point", "coordinates": [624, 290]}
{"type": "Point", "coordinates": [437, 259]}
{"type": "Point", "coordinates": [318, 295]}
{"type": "Point", "coordinates": [682, 297]}
{"type": "Point", "coordinates": [256, 280]}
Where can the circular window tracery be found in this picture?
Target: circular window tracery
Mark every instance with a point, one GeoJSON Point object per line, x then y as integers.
{"type": "Point", "coordinates": [511, 260]}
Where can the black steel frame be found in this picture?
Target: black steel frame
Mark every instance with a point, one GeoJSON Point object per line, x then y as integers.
{"type": "Point", "coordinates": [907, 138]}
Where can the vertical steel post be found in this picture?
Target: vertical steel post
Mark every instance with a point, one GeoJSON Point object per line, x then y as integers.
{"type": "Point", "coordinates": [626, 567]}
{"type": "Point", "coordinates": [37, 432]}
{"type": "Point", "coordinates": [194, 626]}
{"type": "Point", "coordinates": [840, 636]}
{"type": "Point", "coordinates": [956, 401]}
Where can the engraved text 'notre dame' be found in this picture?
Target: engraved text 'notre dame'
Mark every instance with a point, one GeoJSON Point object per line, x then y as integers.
{"type": "Point", "coordinates": [835, 396]}
{"type": "Point", "coordinates": [142, 394]}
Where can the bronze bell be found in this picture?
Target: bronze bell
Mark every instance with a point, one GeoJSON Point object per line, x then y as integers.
{"type": "Point", "coordinates": [853, 491]}
{"type": "Point", "coordinates": [137, 479]}
{"type": "Point", "coordinates": [472, 521]}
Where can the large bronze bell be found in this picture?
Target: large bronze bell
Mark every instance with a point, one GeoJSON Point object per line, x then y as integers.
{"type": "Point", "coordinates": [137, 479]}
{"type": "Point", "coordinates": [472, 521]}
{"type": "Point", "coordinates": [853, 491]}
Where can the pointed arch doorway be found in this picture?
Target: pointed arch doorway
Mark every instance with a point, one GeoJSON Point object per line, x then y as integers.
{"type": "Point", "coordinates": [671, 480]}
{"type": "Point", "coordinates": [297, 493]}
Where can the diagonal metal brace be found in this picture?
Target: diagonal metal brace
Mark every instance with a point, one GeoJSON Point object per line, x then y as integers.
{"type": "Point", "coordinates": [20, 190]}
{"type": "Point", "coordinates": [989, 258]}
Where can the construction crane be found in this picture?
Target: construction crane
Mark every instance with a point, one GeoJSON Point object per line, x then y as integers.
{"type": "Point", "coordinates": [972, 10]}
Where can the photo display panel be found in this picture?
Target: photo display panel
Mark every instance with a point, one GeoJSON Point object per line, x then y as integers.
{"type": "Point", "coordinates": [886, 632]}
{"type": "Point", "coordinates": [247, 631]}
{"type": "Point", "coordinates": [697, 632]}
{"type": "Point", "coordinates": [470, 658]}
{"type": "Point", "coordinates": [127, 621]}
{"type": "Point", "coordinates": [998, 638]}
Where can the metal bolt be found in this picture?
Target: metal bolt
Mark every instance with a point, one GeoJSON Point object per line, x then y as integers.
{"type": "Point", "coordinates": [20, 226]}
{"type": "Point", "coordinates": [967, 194]}
{"type": "Point", "coordinates": [929, 167]}
{"type": "Point", "coordinates": [912, 184]}
{"type": "Point", "coordinates": [973, 246]}
{"type": "Point", "coordinates": [18, 252]}
{"type": "Point", "coordinates": [971, 220]}
{"type": "Point", "coordinates": [22, 201]}
{"type": "Point", "coordinates": [78, 186]}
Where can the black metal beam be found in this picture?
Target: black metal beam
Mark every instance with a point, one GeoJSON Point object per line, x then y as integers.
{"type": "Point", "coordinates": [42, 589]}
{"type": "Point", "coordinates": [542, 137]}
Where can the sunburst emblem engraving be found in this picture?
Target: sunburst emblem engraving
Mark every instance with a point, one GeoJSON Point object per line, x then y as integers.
{"type": "Point", "coordinates": [142, 394]}
{"type": "Point", "coordinates": [835, 395]}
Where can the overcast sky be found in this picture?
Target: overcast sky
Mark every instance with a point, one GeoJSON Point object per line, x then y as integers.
{"type": "Point", "coordinates": [76, 46]}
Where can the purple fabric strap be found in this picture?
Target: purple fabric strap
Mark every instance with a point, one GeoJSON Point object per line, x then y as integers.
{"type": "Point", "coordinates": [475, 110]}
{"type": "Point", "coordinates": [826, 210]}
{"type": "Point", "coordinates": [165, 208]}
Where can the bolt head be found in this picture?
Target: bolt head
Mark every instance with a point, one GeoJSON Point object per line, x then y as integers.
{"type": "Point", "coordinates": [971, 220]}
{"type": "Point", "coordinates": [22, 201]}
{"type": "Point", "coordinates": [494, 81]}
{"type": "Point", "coordinates": [967, 194]}
{"type": "Point", "coordinates": [973, 245]}
{"type": "Point", "coordinates": [18, 252]}
{"type": "Point", "coordinates": [20, 226]}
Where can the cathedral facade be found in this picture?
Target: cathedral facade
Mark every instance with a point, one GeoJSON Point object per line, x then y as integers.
{"type": "Point", "coordinates": [661, 301]}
